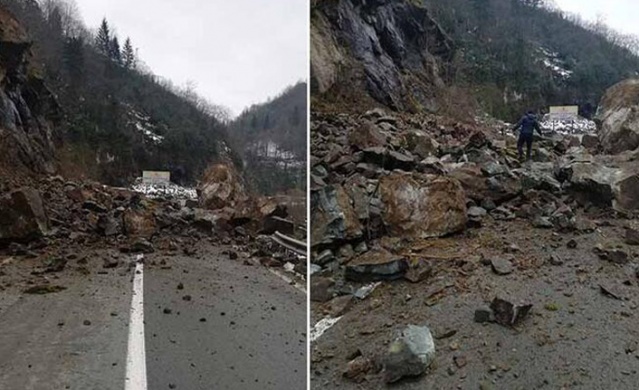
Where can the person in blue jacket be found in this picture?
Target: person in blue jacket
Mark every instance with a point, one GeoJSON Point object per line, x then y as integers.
{"type": "Point", "coordinates": [528, 124]}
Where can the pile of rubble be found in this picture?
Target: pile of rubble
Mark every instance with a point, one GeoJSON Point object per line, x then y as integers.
{"type": "Point", "coordinates": [378, 175]}
{"type": "Point", "coordinates": [386, 187]}
{"type": "Point", "coordinates": [55, 213]}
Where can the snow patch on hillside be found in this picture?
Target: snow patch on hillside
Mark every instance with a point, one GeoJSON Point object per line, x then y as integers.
{"type": "Point", "coordinates": [143, 124]}
{"type": "Point", "coordinates": [269, 150]}
{"type": "Point", "coordinates": [552, 61]}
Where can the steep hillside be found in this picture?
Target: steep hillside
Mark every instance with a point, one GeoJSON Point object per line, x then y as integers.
{"type": "Point", "coordinates": [450, 57]}
{"type": "Point", "coordinates": [272, 137]}
{"type": "Point", "coordinates": [26, 137]}
{"type": "Point", "coordinates": [117, 118]}
{"type": "Point", "coordinates": [516, 54]}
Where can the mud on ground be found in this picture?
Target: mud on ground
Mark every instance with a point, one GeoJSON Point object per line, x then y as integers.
{"type": "Point", "coordinates": [576, 336]}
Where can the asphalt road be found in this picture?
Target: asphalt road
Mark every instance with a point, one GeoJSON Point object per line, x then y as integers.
{"type": "Point", "coordinates": [242, 328]}
{"type": "Point", "coordinates": [45, 342]}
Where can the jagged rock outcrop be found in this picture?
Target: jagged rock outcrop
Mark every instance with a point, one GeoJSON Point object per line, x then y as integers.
{"type": "Point", "coordinates": [618, 117]}
{"type": "Point", "coordinates": [221, 187]}
{"type": "Point", "coordinates": [26, 137]}
{"type": "Point", "coordinates": [392, 51]}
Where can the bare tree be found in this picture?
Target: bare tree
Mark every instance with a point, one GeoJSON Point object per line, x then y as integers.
{"type": "Point", "coordinates": [69, 16]}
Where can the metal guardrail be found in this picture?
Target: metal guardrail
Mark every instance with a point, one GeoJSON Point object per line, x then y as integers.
{"type": "Point", "coordinates": [290, 243]}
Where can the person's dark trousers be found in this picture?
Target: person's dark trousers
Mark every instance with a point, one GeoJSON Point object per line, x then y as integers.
{"type": "Point", "coordinates": [525, 139]}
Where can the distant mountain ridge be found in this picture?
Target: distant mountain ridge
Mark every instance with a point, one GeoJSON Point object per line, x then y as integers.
{"type": "Point", "coordinates": [273, 139]}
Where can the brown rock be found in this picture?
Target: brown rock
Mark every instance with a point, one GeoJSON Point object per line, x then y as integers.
{"type": "Point", "coordinates": [221, 186]}
{"type": "Point", "coordinates": [421, 144]}
{"type": "Point", "coordinates": [421, 207]}
{"type": "Point", "coordinates": [139, 223]}
{"type": "Point", "coordinates": [472, 180]}
{"type": "Point", "coordinates": [340, 305]}
{"type": "Point", "coordinates": [590, 141]}
{"type": "Point", "coordinates": [365, 136]}
{"type": "Point", "coordinates": [22, 216]}
{"type": "Point", "coordinates": [508, 313]}
{"type": "Point", "coordinates": [613, 255]}
{"type": "Point", "coordinates": [321, 289]}
{"type": "Point", "coordinates": [419, 271]}
{"type": "Point", "coordinates": [619, 125]}
{"type": "Point", "coordinates": [357, 369]}
{"type": "Point", "coordinates": [274, 224]}
{"type": "Point", "coordinates": [627, 193]}
{"type": "Point", "coordinates": [632, 237]}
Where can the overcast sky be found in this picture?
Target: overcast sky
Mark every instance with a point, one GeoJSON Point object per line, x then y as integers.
{"type": "Point", "coordinates": [238, 52]}
{"type": "Point", "coordinates": [618, 14]}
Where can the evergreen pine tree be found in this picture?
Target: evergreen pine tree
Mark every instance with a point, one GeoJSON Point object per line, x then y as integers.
{"type": "Point", "coordinates": [115, 53]}
{"type": "Point", "coordinates": [128, 55]}
{"type": "Point", "coordinates": [103, 40]}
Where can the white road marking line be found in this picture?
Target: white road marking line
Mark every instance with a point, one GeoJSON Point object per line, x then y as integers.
{"type": "Point", "coordinates": [288, 280]}
{"type": "Point", "coordinates": [136, 353]}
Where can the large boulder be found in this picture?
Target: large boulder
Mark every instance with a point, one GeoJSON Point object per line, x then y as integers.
{"type": "Point", "coordinates": [410, 354]}
{"type": "Point", "coordinates": [420, 206]}
{"type": "Point", "coordinates": [539, 177]}
{"type": "Point", "coordinates": [421, 144]}
{"type": "Point", "coordinates": [221, 187]}
{"type": "Point", "coordinates": [618, 117]}
{"type": "Point", "coordinates": [472, 180]}
{"type": "Point", "coordinates": [139, 223]}
{"type": "Point", "coordinates": [366, 136]}
{"type": "Point", "coordinates": [591, 182]}
{"type": "Point", "coordinates": [626, 191]}
{"type": "Point", "coordinates": [22, 216]}
{"type": "Point", "coordinates": [490, 182]}
{"type": "Point", "coordinates": [333, 218]}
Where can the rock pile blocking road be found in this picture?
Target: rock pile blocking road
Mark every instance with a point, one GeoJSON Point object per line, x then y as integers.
{"type": "Point", "coordinates": [421, 203]}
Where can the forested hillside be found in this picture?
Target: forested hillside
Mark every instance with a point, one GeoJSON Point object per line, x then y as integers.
{"type": "Point", "coordinates": [117, 117]}
{"type": "Point", "coordinates": [272, 138]}
{"type": "Point", "coordinates": [514, 54]}
{"type": "Point", "coordinates": [452, 57]}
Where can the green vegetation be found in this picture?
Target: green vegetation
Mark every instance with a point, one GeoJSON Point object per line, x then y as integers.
{"type": "Point", "coordinates": [551, 306]}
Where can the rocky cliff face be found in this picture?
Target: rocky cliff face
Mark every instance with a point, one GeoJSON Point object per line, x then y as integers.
{"type": "Point", "coordinates": [390, 51]}
{"type": "Point", "coordinates": [26, 137]}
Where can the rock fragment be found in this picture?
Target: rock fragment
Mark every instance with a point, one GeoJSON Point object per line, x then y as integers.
{"type": "Point", "coordinates": [410, 354]}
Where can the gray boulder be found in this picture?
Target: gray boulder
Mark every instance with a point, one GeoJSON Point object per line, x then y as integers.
{"type": "Point", "coordinates": [410, 354]}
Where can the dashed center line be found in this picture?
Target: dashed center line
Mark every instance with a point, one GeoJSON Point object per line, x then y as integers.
{"type": "Point", "coordinates": [136, 353]}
